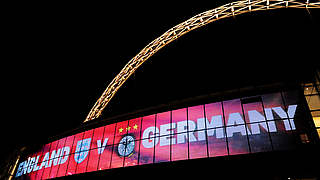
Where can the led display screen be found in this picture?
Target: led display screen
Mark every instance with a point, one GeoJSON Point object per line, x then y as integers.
{"type": "Point", "coordinates": [239, 126]}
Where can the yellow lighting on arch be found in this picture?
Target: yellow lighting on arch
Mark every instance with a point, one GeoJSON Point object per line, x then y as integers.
{"type": "Point", "coordinates": [202, 19]}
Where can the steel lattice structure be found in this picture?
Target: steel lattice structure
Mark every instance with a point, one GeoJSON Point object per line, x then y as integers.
{"type": "Point", "coordinates": [202, 19]}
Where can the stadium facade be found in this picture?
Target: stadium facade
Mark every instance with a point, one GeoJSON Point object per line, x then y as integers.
{"type": "Point", "coordinates": [267, 130]}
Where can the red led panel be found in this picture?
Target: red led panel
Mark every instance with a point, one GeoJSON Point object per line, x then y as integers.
{"type": "Point", "coordinates": [179, 141]}
{"type": "Point", "coordinates": [73, 159]}
{"type": "Point", "coordinates": [93, 160]}
{"type": "Point", "coordinates": [132, 157]}
{"type": "Point", "coordinates": [84, 152]}
{"type": "Point", "coordinates": [216, 137]}
{"type": "Point", "coordinates": [94, 155]}
{"type": "Point", "coordinates": [97, 138]}
{"type": "Point", "coordinates": [117, 160]}
{"type": "Point", "coordinates": [56, 161]}
{"type": "Point", "coordinates": [258, 127]}
{"type": "Point", "coordinates": [131, 140]}
{"type": "Point", "coordinates": [147, 143]}
{"type": "Point", "coordinates": [118, 154]}
{"type": "Point", "coordinates": [49, 165]}
{"type": "Point", "coordinates": [33, 166]}
{"type": "Point", "coordinates": [105, 147]}
{"type": "Point", "coordinates": [236, 128]}
{"type": "Point", "coordinates": [43, 160]}
{"type": "Point", "coordinates": [105, 157]}
{"type": "Point", "coordinates": [31, 174]}
{"type": "Point", "coordinates": [163, 139]}
{"type": "Point", "coordinates": [64, 160]}
{"type": "Point", "coordinates": [134, 128]}
{"type": "Point", "coordinates": [197, 139]}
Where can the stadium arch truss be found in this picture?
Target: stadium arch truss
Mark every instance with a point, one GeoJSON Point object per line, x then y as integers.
{"type": "Point", "coordinates": [202, 19]}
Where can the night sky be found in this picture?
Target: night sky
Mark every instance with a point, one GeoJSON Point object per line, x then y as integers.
{"type": "Point", "coordinates": [58, 59]}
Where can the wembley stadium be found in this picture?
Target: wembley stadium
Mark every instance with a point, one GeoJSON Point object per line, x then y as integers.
{"type": "Point", "coordinates": [230, 91]}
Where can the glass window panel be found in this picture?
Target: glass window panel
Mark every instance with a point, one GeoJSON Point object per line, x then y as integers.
{"type": "Point", "coordinates": [117, 159]}
{"type": "Point", "coordinates": [31, 173]}
{"type": "Point", "coordinates": [309, 89]}
{"type": "Point", "coordinates": [54, 168]}
{"type": "Point", "coordinates": [64, 160]}
{"type": "Point", "coordinates": [237, 139]}
{"type": "Point", "coordinates": [233, 112]}
{"type": "Point", "coordinates": [290, 97]}
{"type": "Point", "coordinates": [69, 142]}
{"type": "Point", "coordinates": [314, 102]}
{"type": "Point", "coordinates": [258, 129]}
{"type": "Point", "coordinates": [98, 137]}
{"type": "Point", "coordinates": [93, 160]}
{"type": "Point", "coordinates": [217, 144]}
{"type": "Point", "coordinates": [32, 165]}
{"type": "Point", "coordinates": [61, 144]}
{"type": "Point", "coordinates": [119, 146]}
{"type": "Point", "coordinates": [162, 150]}
{"type": "Point", "coordinates": [82, 151]}
{"type": "Point", "coordinates": [196, 114]}
{"type": "Point", "coordinates": [270, 101]}
{"type": "Point", "coordinates": [179, 142]}
{"type": "Point", "coordinates": [295, 110]}
{"type": "Point", "coordinates": [197, 146]}
{"type": "Point", "coordinates": [259, 140]}
{"type": "Point", "coordinates": [282, 139]}
{"type": "Point", "coordinates": [147, 150]}
{"type": "Point", "coordinates": [315, 113]}
{"type": "Point", "coordinates": [60, 151]}
{"type": "Point", "coordinates": [148, 126]}
{"type": "Point", "coordinates": [46, 171]}
{"type": "Point", "coordinates": [148, 132]}
{"type": "Point", "coordinates": [121, 131]}
{"type": "Point", "coordinates": [316, 121]}
{"type": "Point", "coordinates": [134, 128]}
{"type": "Point", "coordinates": [179, 118]}
{"type": "Point", "coordinates": [72, 165]}
{"type": "Point", "coordinates": [45, 150]}
{"type": "Point", "coordinates": [253, 112]}
{"type": "Point", "coordinates": [53, 150]}
{"type": "Point", "coordinates": [36, 164]}
{"type": "Point", "coordinates": [179, 151]}
{"type": "Point", "coordinates": [88, 136]}
{"type": "Point", "coordinates": [105, 157]}
{"type": "Point", "coordinates": [162, 146]}
{"type": "Point", "coordinates": [108, 136]}
{"type": "Point", "coordinates": [74, 156]}
{"type": "Point", "coordinates": [81, 155]}
{"type": "Point", "coordinates": [214, 116]}
{"type": "Point", "coordinates": [163, 124]}
{"type": "Point", "coordinates": [132, 149]}
{"type": "Point", "coordinates": [29, 162]}
{"type": "Point", "coordinates": [52, 154]}
{"type": "Point", "coordinates": [82, 161]}
{"type": "Point", "coordinates": [76, 142]}
{"type": "Point", "coordinates": [41, 171]}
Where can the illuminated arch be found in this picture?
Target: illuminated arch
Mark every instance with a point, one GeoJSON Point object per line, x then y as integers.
{"type": "Point", "coordinates": [202, 19]}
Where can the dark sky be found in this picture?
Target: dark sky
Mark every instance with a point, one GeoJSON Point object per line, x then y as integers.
{"type": "Point", "coordinates": [58, 59]}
